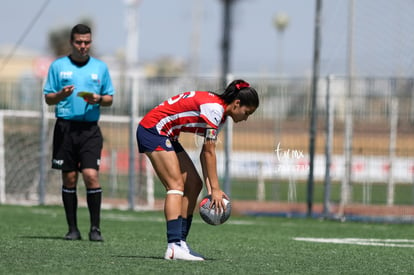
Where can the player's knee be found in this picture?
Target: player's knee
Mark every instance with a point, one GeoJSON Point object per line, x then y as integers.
{"type": "Point", "coordinates": [174, 185]}
{"type": "Point", "coordinates": [175, 192]}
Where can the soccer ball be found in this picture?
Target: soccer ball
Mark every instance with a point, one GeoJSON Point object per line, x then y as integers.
{"type": "Point", "coordinates": [210, 216]}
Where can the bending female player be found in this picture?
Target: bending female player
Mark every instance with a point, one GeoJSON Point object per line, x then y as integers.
{"type": "Point", "coordinates": [198, 112]}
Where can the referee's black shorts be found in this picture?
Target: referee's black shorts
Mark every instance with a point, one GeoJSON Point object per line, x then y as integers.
{"type": "Point", "coordinates": [76, 145]}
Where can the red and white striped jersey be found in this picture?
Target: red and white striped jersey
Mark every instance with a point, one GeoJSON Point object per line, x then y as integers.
{"type": "Point", "coordinates": [187, 112]}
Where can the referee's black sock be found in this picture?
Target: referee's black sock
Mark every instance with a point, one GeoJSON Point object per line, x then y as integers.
{"type": "Point", "coordinates": [94, 199]}
{"type": "Point", "coordinates": [70, 203]}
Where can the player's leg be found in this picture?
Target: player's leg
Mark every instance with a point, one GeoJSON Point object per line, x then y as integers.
{"type": "Point", "coordinates": [167, 167]}
{"type": "Point", "coordinates": [192, 183]}
{"type": "Point", "coordinates": [192, 188]}
{"type": "Point", "coordinates": [165, 162]}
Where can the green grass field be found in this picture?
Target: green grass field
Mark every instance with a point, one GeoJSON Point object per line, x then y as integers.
{"type": "Point", "coordinates": [31, 243]}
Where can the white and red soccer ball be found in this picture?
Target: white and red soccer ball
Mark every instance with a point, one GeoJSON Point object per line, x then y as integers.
{"type": "Point", "coordinates": [210, 215]}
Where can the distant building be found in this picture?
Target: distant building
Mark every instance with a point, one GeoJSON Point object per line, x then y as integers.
{"type": "Point", "coordinates": [15, 63]}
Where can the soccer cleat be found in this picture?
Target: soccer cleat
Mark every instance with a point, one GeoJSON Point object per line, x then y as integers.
{"type": "Point", "coordinates": [95, 235]}
{"type": "Point", "coordinates": [187, 248]}
{"type": "Point", "coordinates": [73, 235]}
{"type": "Point", "coordinates": [176, 252]}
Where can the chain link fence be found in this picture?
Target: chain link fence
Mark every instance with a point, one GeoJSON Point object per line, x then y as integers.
{"type": "Point", "coordinates": [269, 160]}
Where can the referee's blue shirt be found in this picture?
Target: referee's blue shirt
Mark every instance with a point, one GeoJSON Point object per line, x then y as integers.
{"type": "Point", "coordinates": [93, 77]}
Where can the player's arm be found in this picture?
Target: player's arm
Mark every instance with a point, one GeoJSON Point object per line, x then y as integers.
{"type": "Point", "coordinates": [208, 162]}
{"type": "Point", "coordinates": [55, 98]}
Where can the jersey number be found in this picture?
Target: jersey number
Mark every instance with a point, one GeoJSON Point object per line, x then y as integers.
{"type": "Point", "coordinates": [176, 98]}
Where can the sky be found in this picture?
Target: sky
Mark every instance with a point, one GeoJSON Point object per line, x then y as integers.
{"type": "Point", "coordinates": [383, 43]}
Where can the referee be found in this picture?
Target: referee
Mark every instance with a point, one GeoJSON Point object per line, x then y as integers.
{"type": "Point", "coordinates": [78, 85]}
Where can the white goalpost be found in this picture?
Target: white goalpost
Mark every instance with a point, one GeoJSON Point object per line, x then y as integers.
{"type": "Point", "coordinates": [25, 146]}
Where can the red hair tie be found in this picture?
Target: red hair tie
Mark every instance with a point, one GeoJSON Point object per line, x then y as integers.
{"type": "Point", "coordinates": [241, 85]}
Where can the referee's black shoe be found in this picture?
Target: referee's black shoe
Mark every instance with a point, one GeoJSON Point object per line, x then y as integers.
{"type": "Point", "coordinates": [73, 235]}
{"type": "Point", "coordinates": [95, 235]}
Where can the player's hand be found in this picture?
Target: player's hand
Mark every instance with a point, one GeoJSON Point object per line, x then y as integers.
{"type": "Point", "coordinates": [217, 200]}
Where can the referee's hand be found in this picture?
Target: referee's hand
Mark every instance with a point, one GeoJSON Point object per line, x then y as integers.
{"type": "Point", "coordinates": [67, 90]}
{"type": "Point", "coordinates": [93, 98]}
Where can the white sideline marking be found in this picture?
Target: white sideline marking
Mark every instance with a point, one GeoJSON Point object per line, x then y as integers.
{"type": "Point", "coordinates": [358, 241]}
{"type": "Point", "coordinates": [127, 218]}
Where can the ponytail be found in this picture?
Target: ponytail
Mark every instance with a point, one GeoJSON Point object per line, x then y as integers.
{"type": "Point", "coordinates": [240, 89]}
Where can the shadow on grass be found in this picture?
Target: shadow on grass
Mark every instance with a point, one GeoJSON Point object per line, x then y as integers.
{"type": "Point", "coordinates": [138, 257]}
{"type": "Point", "coordinates": [43, 237]}
{"type": "Point", "coordinates": [152, 257]}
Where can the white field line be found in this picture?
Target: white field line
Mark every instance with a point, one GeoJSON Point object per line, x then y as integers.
{"type": "Point", "coordinates": [360, 241]}
{"type": "Point", "coordinates": [128, 218]}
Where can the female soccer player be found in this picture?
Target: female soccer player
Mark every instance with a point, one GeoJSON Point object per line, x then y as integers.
{"type": "Point", "coordinates": [202, 113]}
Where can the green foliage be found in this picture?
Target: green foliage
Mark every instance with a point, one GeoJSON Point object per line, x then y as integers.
{"type": "Point", "coordinates": [31, 243]}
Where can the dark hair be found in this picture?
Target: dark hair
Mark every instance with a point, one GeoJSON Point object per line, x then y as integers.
{"type": "Point", "coordinates": [240, 89]}
{"type": "Point", "coordinates": [79, 29]}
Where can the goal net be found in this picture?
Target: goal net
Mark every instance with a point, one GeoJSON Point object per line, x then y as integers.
{"type": "Point", "coordinates": [26, 176]}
